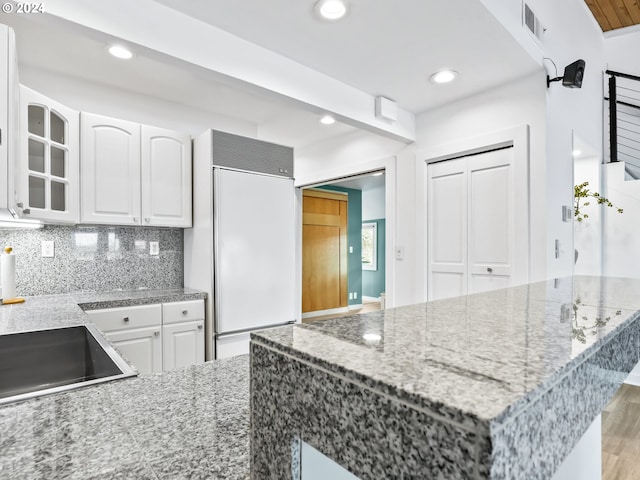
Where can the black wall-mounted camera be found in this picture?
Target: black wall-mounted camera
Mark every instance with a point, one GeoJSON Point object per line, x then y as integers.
{"type": "Point", "coordinates": [573, 75]}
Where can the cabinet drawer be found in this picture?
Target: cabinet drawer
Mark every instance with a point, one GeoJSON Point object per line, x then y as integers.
{"type": "Point", "coordinates": [182, 311]}
{"type": "Point", "coordinates": [120, 318]}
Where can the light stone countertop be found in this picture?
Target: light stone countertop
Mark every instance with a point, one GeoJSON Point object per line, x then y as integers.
{"type": "Point", "coordinates": [525, 369]}
{"type": "Point", "coordinates": [188, 423]}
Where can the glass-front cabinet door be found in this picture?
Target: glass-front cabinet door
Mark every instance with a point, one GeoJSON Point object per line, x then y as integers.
{"type": "Point", "coordinates": [49, 170]}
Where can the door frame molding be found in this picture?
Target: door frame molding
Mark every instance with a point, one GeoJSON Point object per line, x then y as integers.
{"type": "Point", "coordinates": [388, 164]}
{"type": "Point", "coordinates": [518, 137]}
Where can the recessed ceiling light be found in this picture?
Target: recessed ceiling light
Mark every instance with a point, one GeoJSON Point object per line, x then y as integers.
{"type": "Point", "coordinates": [119, 51]}
{"type": "Point", "coordinates": [443, 76]}
{"type": "Point", "coordinates": [327, 120]}
{"type": "Point", "coordinates": [331, 9]}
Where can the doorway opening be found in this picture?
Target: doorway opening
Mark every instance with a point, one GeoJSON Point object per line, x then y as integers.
{"type": "Point", "coordinates": [343, 247]}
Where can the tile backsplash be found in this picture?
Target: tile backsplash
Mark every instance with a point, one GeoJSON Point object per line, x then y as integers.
{"type": "Point", "coordinates": [94, 259]}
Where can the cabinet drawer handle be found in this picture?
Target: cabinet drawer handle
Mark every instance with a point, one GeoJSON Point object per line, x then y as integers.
{"type": "Point", "coordinates": [199, 327]}
{"type": "Point", "coordinates": [156, 334]}
{"type": "Point", "coordinates": [184, 312]}
{"type": "Point", "coordinates": [125, 319]}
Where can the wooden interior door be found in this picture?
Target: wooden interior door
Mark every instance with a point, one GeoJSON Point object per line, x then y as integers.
{"type": "Point", "coordinates": [324, 250]}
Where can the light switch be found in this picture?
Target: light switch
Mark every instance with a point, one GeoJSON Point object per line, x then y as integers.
{"type": "Point", "coordinates": [350, 248]}
{"type": "Point", "coordinates": [399, 253]}
{"type": "Point", "coordinates": [154, 248]}
{"type": "Point", "coordinates": [48, 249]}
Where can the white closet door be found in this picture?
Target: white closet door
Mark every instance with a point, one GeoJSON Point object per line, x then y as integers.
{"type": "Point", "coordinates": [447, 229]}
{"type": "Point", "coordinates": [472, 213]}
{"type": "Point", "coordinates": [491, 222]}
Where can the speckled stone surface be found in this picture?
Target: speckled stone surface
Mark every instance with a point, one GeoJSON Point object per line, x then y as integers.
{"type": "Point", "coordinates": [494, 385]}
{"type": "Point", "coordinates": [95, 258]}
{"type": "Point", "coordinates": [51, 311]}
{"type": "Point", "coordinates": [127, 298]}
{"type": "Point", "coordinates": [191, 423]}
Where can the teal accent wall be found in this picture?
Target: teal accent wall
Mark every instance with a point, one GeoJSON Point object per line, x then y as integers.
{"type": "Point", "coordinates": [373, 280]}
{"type": "Point", "coordinates": [354, 239]}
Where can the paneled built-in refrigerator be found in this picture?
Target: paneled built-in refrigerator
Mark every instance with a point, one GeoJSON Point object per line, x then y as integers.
{"type": "Point", "coordinates": [241, 250]}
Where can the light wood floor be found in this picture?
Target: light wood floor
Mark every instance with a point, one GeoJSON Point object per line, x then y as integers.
{"type": "Point", "coordinates": [621, 435]}
{"type": "Point", "coordinates": [366, 307]}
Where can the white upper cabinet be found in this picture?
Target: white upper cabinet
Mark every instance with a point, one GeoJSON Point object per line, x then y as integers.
{"type": "Point", "coordinates": [166, 178]}
{"type": "Point", "coordinates": [110, 171]}
{"type": "Point", "coordinates": [9, 98]}
{"type": "Point", "coordinates": [48, 185]}
{"type": "Point", "coordinates": [134, 174]}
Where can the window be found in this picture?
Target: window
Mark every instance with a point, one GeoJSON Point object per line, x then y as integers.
{"type": "Point", "coordinates": [369, 246]}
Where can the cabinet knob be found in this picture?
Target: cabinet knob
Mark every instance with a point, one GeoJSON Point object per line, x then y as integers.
{"type": "Point", "coordinates": [184, 312]}
{"type": "Point", "coordinates": [125, 319]}
{"type": "Point", "coordinates": [156, 334]}
{"type": "Point", "coordinates": [135, 219]}
{"type": "Point", "coordinates": [489, 269]}
{"type": "Point", "coordinates": [199, 327]}
{"type": "Point", "coordinates": [147, 220]}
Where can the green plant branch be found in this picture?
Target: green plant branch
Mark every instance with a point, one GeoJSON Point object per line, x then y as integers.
{"type": "Point", "coordinates": [581, 196]}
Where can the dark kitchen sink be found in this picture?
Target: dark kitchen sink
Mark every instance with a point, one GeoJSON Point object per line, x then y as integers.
{"type": "Point", "coordinates": [41, 362]}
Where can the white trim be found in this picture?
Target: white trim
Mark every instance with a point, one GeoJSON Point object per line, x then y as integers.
{"type": "Point", "coordinates": [388, 164]}
{"type": "Point", "coordinates": [329, 311]}
{"type": "Point", "coordinates": [355, 306]}
{"type": "Point", "coordinates": [517, 136]}
{"type": "Point", "coordinates": [370, 299]}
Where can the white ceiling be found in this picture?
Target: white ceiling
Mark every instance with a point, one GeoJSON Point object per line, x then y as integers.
{"type": "Point", "coordinates": [387, 48]}
{"type": "Point", "coordinates": [384, 48]}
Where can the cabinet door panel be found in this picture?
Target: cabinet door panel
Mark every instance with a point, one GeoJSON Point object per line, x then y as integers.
{"type": "Point", "coordinates": [183, 344]}
{"type": "Point", "coordinates": [166, 177]}
{"type": "Point", "coordinates": [142, 347]}
{"type": "Point", "coordinates": [48, 185]}
{"type": "Point", "coordinates": [110, 181]}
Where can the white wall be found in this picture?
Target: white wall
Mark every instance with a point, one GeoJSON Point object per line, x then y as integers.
{"type": "Point", "coordinates": [621, 254]}
{"type": "Point", "coordinates": [587, 238]}
{"type": "Point", "coordinates": [519, 103]}
{"type": "Point", "coordinates": [116, 102]}
{"type": "Point", "coordinates": [571, 34]}
{"type": "Point", "coordinates": [373, 206]}
{"type": "Point", "coordinates": [360, 152]}
{"type": "Point", "coordinates": [621, 51]}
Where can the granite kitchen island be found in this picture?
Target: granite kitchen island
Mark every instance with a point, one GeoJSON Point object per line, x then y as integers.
{"type": "Point", "coordinates": [502, 384]}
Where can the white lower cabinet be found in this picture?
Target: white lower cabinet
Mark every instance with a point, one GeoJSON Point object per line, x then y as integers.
{"type": "Point", "coordinates": [141, 346]}
{"type": "Point", "coordinates": [155, 338]}
{"type": "Point", "coordinates": [183, 334]}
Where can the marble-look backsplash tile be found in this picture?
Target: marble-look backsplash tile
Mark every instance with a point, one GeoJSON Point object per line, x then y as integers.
{"type": "Point", "coordinates": [90, 259]}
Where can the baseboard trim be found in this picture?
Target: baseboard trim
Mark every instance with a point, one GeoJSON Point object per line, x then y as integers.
{"type": "Point", "coordinates": [633, 379]}
{"type": "Point", "coordinates": [330, 311]}
{"type": "Point", "coordinates": [357, 306]}
{"type": "Point", "coordinates": [370, 299]}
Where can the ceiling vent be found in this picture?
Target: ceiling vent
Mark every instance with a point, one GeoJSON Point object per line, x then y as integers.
{"type": "Point", "coordinates": [532, 23]}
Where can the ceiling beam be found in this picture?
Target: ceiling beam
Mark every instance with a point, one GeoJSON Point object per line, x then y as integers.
{"type": "Point", "coordinates": [160, 28]}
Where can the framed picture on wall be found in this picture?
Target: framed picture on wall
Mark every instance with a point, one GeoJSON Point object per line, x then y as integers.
{"type": "Point", "coordinates": [369, 246]}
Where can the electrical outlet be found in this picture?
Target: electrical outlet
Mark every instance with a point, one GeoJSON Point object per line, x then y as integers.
{"type": "Point", "coordinates": [48, 249]}
{"type": "Point", "coordinates": [154, 248]}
